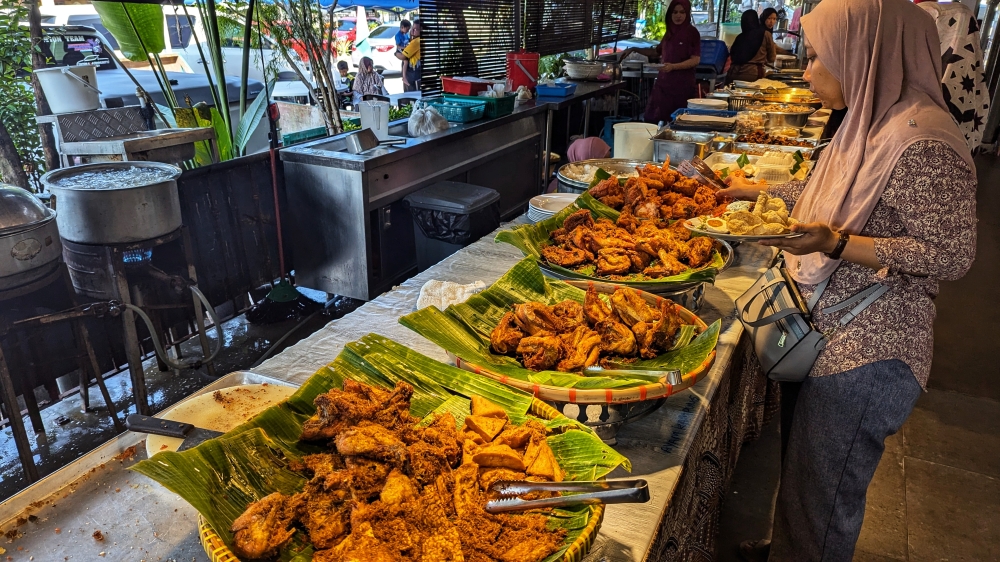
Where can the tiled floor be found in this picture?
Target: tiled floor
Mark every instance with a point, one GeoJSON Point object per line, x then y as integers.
{"type": "Point", "coordinates": [936, 493]}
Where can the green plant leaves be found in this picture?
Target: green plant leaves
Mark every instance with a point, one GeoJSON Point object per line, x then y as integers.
{"type": "Point", "coordinates": [255, 112]}
{"type": "Point", "coordinates": [138, 28]}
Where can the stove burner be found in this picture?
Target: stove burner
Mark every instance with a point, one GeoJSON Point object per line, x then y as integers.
{"type": "Point", "coordinates": [133, 258]}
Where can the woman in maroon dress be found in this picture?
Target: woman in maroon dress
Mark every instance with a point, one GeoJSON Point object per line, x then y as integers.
{"type": "Point", "coordinates": [680, 52]}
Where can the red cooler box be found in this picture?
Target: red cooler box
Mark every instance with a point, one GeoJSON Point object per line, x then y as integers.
{"type": "Point", "coordinates": [522, 70]}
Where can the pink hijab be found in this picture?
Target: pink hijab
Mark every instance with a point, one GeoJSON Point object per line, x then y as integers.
{"type": "Point", "coordinates": [587, 149]}
{"type": "Point", "coordinates": [886, 55]}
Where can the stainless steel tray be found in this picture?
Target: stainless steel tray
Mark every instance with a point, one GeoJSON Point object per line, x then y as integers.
{"type": "Point", "coordinates": [56, 484]}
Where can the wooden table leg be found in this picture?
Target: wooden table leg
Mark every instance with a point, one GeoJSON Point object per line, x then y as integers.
{"type": "Point", "coordinates": [16, 423]}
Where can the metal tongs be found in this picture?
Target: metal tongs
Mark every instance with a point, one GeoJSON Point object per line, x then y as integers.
{"type": "Point", "coordinates": [584, 493]}
{"type": "Point", "coordinates": [673, 376]}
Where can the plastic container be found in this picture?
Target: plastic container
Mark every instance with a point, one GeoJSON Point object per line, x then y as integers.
{"type": "Point", "coordinates": [714, 52]}
{"type": "Point", "coordinates": [522, 70]}
{"type": "Point", "coordinates": [495, 107]}
{"type": "Point", "coordinates": [555, 90]}
{"type": "Point", "coordinates": [608, 132]}
{"type": "Point", "coordinates": [70, 88]}
{"type": "Point", "coordinates": [462, 87]}
{"type": "Point", "coordinates": [634, 141]}
{"type": "Point", "coordinates": [448, 216]}
{"type": "Point", "coordinates": [460, 111]}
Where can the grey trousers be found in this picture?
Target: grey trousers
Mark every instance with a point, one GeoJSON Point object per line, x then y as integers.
{"type": "Point", "coordinates": [837, 438]}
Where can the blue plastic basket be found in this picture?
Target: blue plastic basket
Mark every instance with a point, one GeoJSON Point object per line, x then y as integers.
{"type": "Point", "coordinates": [714, 53]}
{"type": "Point", "coordinates": [556, 90]}
{"type": "Point", "coordinates": [459, 111]}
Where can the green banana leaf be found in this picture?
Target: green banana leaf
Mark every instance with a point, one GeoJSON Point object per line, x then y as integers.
{"type": "Point", "coordinates": [248, 122]}
{"type": "Point", "coordinates": [203, 116]}
{"type": "Point", "coordinates": [530, 238]}
{"type": "Point", "coordinates": [222, 476]}
{"type": "Point", "coordinates": [464, 330]}
{"type": "Point", "coordinates": [138, 28]}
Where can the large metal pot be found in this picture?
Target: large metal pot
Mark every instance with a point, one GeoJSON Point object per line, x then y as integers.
{"type": "Point", "coordinates": [29, 238]}
{"type": "Point", "coordinates": [117, 214]}
{"type": "Point", "coordinates": [681, 145]}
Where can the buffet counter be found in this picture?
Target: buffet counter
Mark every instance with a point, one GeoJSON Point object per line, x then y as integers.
{"type": "Point", "coordinates": [686, 449]}
{"type": "Point", "coordinates": [351, 233]}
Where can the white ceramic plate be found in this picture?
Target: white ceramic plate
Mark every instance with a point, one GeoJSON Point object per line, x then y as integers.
{"type": "Point", "coordinates": [738, 237]}
{"type": "Point", "coordinates": [552, 202]}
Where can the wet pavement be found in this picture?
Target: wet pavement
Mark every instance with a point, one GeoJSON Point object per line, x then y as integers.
{"type": "Point", "coordinates": [70, 433]}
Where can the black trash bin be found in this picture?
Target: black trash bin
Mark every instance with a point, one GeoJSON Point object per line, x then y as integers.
{"type": "Point", "coordinates": [448, 216]}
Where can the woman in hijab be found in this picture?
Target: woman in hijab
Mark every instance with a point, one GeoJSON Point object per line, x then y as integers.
{"type": "Point", "coordinates": [769, 19]}
{"type": "Point", "coordinates": [587, 148]}
{"type": "Point", "coordinates": [751, 50]}
{"type": "Point", "coordinates": [893, 201]}
{"type": "Point", "coordinates": [679, 52]}
{"type": "Point", "coordinates": [367, 81]}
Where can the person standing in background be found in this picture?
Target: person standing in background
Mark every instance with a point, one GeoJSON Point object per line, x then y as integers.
{"type": "Point", "coordinates": [410, 55]}
{"type": "Point", "coordinates": [402, 38]}
{"type": "Point", "coordinates": [964, 80]}
{"type": "Point", "coordinates": [679, 52]}
{"type": "Point", "coordinates": [751, 50]}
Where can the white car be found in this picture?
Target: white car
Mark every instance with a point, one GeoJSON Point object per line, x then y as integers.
{"type": "Point", "coordinates": [380, 45]}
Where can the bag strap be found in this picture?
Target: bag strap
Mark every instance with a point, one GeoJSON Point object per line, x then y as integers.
{"type": "Point", "coordinates": [772, 317]}
{"type": "Point", "coordinates": [866, 297]}
{"type": "Point", "coordinates": [817, 294]}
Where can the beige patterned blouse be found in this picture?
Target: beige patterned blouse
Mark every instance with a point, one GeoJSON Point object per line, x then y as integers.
{"type": "Point", "coordinates": [924, 228]}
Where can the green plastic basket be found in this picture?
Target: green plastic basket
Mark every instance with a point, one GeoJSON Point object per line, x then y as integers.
{"type": "Point", "coordinates": [459, 111]}
{"type": "Point", "coordinates": [495, 107]}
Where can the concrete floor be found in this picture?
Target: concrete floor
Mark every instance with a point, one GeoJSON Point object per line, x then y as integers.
{"type": "Point", "coordinates": [936, 493]}
{"type": "Point", "coordinates": [70, 433]}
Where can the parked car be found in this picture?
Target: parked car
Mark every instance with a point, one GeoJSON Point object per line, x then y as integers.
{"type": "Point", "coordinates": [347, 27]}
{"type": "Point", "coordinates": [380, 45]}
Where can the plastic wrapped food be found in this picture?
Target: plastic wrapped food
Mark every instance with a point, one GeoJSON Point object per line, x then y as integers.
{"type": "Point", "coordinates": [749, 121]}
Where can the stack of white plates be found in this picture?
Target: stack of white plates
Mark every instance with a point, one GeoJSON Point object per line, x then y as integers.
{"type": "Point", "coordinates": [542, 207]}
{"type": "Point", "coordinates": [707, 103]}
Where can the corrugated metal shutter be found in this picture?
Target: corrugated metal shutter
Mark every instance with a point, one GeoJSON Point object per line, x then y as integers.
{"type": "Point", "coordinates": [465, 38]}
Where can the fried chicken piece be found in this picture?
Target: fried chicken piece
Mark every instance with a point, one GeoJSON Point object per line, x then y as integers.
{"type": "Point", "coordinates": [325, 516]}
{"type": "Point", "coordinates": [635, 190]}
{"type": "Point", "coordinates": [704, 197]}
{"type": "Point", "coordinates": [327, 470]}
{"type": "Point", "coordinates": [660, 335]}
{"type": "Point", "coordinates": [612, 238]}
{"type": "Point", "coordinates": [559, 235]}
{"type": "Point", "coordinates": [614, 201]}
{"type": "Point", "coordinates": [613, 261]}
{"type": "Point", "coordinates": [398, 489]}
{"type": "Point", "coordinates": [442, 433]}
{"type": "Point", "coordinates": [631, 307]}
{"type": "Point", "coordinates": [616, 338]}
{"type": "Point", "coordinates": [505, 337]}
{"type": "Point", "coordinates": [579, 218]}
{"type": "Point", "coordinates": [365, 477]}
{"type": "Point", "coordinates": [427, 462]}
{"type": "Point", "coordinates": [581, 348]}
{"type": "Point", "coordinates": [534, 318]}
{"type": "Point", "coordinates": [490, 476]}
{"type": "Point", "coordinates": [628, 222]}
{"type": "Point", "coordinates": [669, 198]}
{"type": "Point", "coordinates": [595, 309]}
{"type": "Point", "coordinates": [609, 187]}
{"type": "Point", "coordinates": [263, 528]}
{"type": "Point", "coordinates": [565, 256]}
{"type": "Point", "coordinates": [570, 313]}
{"type": "Point", "coordinates": [540, 352]}
{"type": "Point", "coordinates": [360, 546]}
{"type": "Point", "coordinates": [640, 259]}
{"type": "Point", "coordinates": [372, 441]}
{"type": "Point", "coordinates": [648, 208]}
{"type": "Point", "coordinates": [582, 238]}
{"type": "Point", "coordinates": [679, 231]}
{"type": "Point", "coordinates": [338, 409]}
{"type": "Point", "coordinates": [668, 266]}
{"type": "Point", "coordinates": [686, 186]}
{"type": "Point", "coordinates": [684, 208]}
{"type": "Point", "coordinates": [699, 251]}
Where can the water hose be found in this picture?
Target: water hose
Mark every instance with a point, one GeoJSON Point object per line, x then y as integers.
{"type": "Point", "coordinates": [188, 362]}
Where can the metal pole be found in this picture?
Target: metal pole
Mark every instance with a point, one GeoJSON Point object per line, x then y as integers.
{"type": "Point", "coordinates": [548, 147]}
{"type": "Point", "coordinates": [517, 25]}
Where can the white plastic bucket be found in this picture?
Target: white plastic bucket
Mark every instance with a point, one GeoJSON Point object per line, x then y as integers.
{"type": "Point", "coordinates": [70, 88]}
{"type": "Point", "coordinates": [632, 140]}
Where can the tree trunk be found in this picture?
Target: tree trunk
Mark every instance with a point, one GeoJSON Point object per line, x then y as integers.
{"type": "Point", "coordinates": [11, 167]}
{"type": "Point", "coordinates": [41, 105]}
